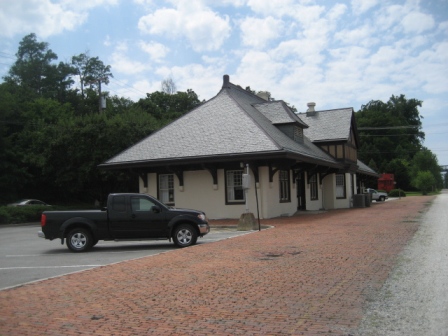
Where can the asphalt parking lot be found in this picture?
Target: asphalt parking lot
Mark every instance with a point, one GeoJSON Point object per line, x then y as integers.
{"type": "Point", "coordinates": [26, 258]}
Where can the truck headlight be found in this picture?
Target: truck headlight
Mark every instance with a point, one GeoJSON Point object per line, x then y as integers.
{"type": "Point", "coordinates": [202, 217]}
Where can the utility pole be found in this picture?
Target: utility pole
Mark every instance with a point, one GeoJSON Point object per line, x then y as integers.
{"type": "Point", "coordinates": [100, 98]}
{"type": "Point", "coordinates": [101, 106]}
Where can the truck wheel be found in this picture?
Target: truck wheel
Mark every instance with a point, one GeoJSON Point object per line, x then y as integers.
{"type": "Point", "coordinates": [382, 198]}
{"type": "Point", "coordinates": [185, 235]}
{"type": "Point", "coordinates": [79, 240]}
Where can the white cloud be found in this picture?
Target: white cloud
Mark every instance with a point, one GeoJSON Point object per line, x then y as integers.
{"type": "Point", "coordinates": [260, 69]}
{"type": "Point", "coordinates": [123, 64]}
{"type": "Point", "coordinates": [107, 41]}
{"type": "Point", "coordinates": [203, 28]}
{"type": "Point", "coordinates": [156, 51]}
{"type": "Point", "coordinates": [258, 32]}
{"type": "Point", "coordinates": [361, 36]}
{"type": "Point", "coordinates": [362, 6]}
{"type": "Point", "coordinates": [39, 16]}
{"type": "Point", "coordinates": [83, 5]}
{"type": "Point", "coordinates": [388, 18]}
{"type": "Point", "coordinates": [45, 17]}
{"type": "Point", "coordinates": [430, 66]}
{"type": "Point", "coordinates": [202, 79]}
{"type": "Point", "coordinates": [416, 22]}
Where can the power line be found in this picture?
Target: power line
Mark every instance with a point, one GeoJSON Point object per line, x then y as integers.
{"type": "Point", "coordinates": [6, 55]}
{"type": "Point", "coordinates": [131, 87]}
{"type": "Point", "coordinates": [391, 135]}
{"type": "Point", "coordinates": [385, 128]}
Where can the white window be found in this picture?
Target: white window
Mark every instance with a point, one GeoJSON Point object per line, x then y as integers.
{"type": "Point", "coordinates": [234, 186]}
{"type": "Point", "coordinates": [340, 186]}
{"type": "Point", "coordinates": [313, 188]}
{"type": "Point", "coordinates": [284, 186]}
{"type": "Point", "coordinates": [166, 188]}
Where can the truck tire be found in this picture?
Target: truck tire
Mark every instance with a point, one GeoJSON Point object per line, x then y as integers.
{"type": "Point", "coordinates": [79, 240]}
{"type": "Point", "coordinates": [185, 235]}
{"type": "Point", "coordinates": [382, 199]}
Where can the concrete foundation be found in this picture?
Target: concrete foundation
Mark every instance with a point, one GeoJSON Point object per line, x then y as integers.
{"type": "Point", "coordinates": [247, 222]}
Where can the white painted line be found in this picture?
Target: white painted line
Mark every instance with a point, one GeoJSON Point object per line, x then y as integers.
{"type": "Point", "coordinates": [41, 267]}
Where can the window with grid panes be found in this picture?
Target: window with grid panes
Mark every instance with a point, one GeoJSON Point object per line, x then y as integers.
{"type": "Point", "coordinates": [285, 192]}
{"type": "Point", "coordinates": [340, 186]}
{"type": "Point", "coordinates": [234, 186]}
{"type": "Point", "coordinates": [313, 188]}
{"type": "Point", "coordinates": [166, 188]}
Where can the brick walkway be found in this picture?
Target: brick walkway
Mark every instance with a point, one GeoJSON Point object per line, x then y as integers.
{"type": "Point", "coordinates": [311, 274]}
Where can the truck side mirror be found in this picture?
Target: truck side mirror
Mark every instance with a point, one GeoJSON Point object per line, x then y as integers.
{"type": "Point", "coordinates": [155, 209]}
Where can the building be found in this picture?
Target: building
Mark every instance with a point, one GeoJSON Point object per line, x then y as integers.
{"type": "Point", "coordinates": [296, 162]}
{"type": "Point", "coordinates": [386, 182]}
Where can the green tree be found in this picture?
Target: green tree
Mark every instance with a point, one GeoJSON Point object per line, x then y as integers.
{"type": "Point", "coordinates": [425, 160]}
{"type": "Point", "coordinates": [373, 165]}
{"type": "Point", "coordinates": [35, 71]}
{"type": "Point", "coordinates": [167, 107]}
{"type": "Point", "coordinates": [168, 86]}
{"type": "Point", "coordinates": [389, 132]}
{"type": "Point", "coordinates": [400, 167]}
{"type": "Point", "coordinates": [424, 181]}
{"type": "Point", "coordinates": [69, 150]}
{"type": "Point", "coordinates": [91, 71]}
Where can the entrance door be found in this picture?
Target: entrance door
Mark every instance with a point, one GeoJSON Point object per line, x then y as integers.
{"type": "Point", "coordinates": [300, 183]}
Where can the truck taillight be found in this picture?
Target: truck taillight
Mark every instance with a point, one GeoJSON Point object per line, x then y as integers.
{"type": "Point", "coordinates": [43, 220]}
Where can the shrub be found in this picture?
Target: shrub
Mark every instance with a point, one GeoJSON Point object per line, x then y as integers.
{"type": "Point", "coordinates": [4, 216]}
{"type": "Point", "coordinates": [424, 181]}
{"type": "Point", "coordinates": [21, 214]}
{"type": "Point", "coordinates": [397, 193]}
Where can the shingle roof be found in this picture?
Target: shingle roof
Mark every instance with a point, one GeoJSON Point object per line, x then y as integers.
{"type": "Point", "coordinates": [328, 125]}
{"type": "Point", "coordinates": [365, 169]}
{"type": "Point", "coordinates": [279, 113]}
{"type": "Point", "coordinates": [228, 124]}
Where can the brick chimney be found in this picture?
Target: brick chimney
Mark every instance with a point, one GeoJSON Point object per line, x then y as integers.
{"type": "Point", "coordinates": [226, 82]}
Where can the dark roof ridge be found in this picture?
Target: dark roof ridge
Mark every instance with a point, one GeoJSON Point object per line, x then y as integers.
{"type": "Point", "coordinates": [251, 117]}
{"type": "Point", "coordinates": [329, 110]}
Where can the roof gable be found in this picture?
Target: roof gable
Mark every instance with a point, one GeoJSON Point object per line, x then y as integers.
{"type": "Point", "coordinates": [329, 125]}
{"type": "Point", "coordinates": [279, 113]}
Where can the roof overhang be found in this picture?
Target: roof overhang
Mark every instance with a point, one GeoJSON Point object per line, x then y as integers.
{"type": "Point", "coordinates": [198, 161]}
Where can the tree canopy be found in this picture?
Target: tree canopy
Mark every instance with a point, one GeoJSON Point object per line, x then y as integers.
{"type": "Point", "coordinates": [391, 139]}
{"type": "Point", "coordinates": [52, 137]}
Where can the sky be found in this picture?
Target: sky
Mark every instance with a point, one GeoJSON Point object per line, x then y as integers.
{"type": "Point", "coordinates": [336, 53]}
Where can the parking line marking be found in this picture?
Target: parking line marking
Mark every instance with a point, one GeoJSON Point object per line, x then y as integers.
{"type": "Point", "coordinates": [41, 267]}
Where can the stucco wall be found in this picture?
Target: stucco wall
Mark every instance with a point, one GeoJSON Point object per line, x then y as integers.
{"type": "Point", "coordinates": [313, 205]}
{"type": "Point", "coordinates": [199, 193]}
{"type": "Point", "coordinates": [329, 192]}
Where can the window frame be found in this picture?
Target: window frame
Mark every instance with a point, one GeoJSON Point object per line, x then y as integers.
{"type": "Point", "coordinates": [229, 183]}
{"type": "Point", "coordinates": [170, 189]}
{"type": "Point", "coordinates": [314, 190]}
{"type": "Point", "coordinates": [284, 180]}
{"type": "Point", "coordinates": [341, 177]}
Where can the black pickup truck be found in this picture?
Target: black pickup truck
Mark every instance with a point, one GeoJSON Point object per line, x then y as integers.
{"type": "Point", "coordinates": [126, 217]}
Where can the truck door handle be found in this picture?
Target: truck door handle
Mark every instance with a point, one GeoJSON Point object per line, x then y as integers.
{"type": "Point", "coordinates": [133, 216]}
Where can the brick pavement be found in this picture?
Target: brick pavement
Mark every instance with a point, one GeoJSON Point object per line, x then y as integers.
{"type": "Point", "coordinates": [310, 275]}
